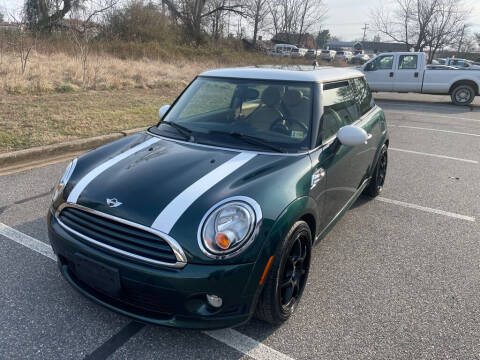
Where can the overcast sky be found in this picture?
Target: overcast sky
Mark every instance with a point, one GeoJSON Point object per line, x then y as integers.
{"type": "Point", "coordinates": [345, 18]}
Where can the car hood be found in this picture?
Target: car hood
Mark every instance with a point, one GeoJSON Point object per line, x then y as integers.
{"type": "Point", "coordinates": [169, 185]}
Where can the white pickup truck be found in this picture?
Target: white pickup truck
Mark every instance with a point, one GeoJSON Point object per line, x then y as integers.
{"type": "Point", "coordinates": [408, 72]}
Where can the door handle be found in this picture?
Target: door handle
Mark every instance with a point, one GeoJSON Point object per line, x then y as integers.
{"type": "Point", "coordinates": [416, 74]}
{"type": "Point", "coordinates": [317, 176]}
{"type": "Point", "coordinates": [391, 74]}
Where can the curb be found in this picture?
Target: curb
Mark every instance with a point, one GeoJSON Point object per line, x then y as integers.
{"type": "Point", "coordinates": [16, 159]}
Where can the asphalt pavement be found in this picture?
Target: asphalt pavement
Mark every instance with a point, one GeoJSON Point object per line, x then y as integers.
{"type": "Point", "coordinates": [396, 278]}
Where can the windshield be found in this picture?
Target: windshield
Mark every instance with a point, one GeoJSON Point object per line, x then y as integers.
{"type": "Point", "coordinates": [258, 115]}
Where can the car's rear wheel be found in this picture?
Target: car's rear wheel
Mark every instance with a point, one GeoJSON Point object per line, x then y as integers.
{"type": "Point", "coordinates": [463, 94]}
{"type": "Point", "coordinates": [375, 186]}
{"type": "Point", "coordinates": [287, 277]}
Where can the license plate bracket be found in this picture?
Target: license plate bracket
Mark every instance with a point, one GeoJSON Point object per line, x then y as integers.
{"type": "Point", "coordinates": [101, 277]}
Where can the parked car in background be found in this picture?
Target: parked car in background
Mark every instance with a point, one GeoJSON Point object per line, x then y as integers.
{"type": "Point", "coordinates": [209, 217]}
{"type": "Point", "coordinates": [328, 55]}
{"type": "Point", "coordinates": [360, 59]}
{"type": "Point", "coordinates": [284, 49]}
{"type": "Point", "coordinates": [458, 63]}
{"type": "Point", "coordinates": [298, 52]}
{"type": "Point", "coordinates": [462, 64]}
{"type": "Point", "coordinates": [311, 53]}
{"type": "Point", "coordinates": [344, 55]}
{"type": "Point", "coordinates": [408, 72]}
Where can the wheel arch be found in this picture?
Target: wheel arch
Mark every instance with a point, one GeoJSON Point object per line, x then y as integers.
{"type": "Point", "coordinates": [465, 82]}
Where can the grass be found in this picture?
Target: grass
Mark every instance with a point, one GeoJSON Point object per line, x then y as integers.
{"type": "Point", "coordinates": [28, 121]}
{"type": "Point", "coordinates": [52, 102]}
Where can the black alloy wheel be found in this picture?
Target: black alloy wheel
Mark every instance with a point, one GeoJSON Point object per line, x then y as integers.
{"type": "Point", "coordinates": [377, 181]}
{"type": "Point", "coordinates": [287, 277]}
{"type": "Point", "coordinates": [294, 273]}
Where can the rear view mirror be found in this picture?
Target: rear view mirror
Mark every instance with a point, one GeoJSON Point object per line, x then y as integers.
{"type": "Point", "coordinates": [352, 136]}
{"type": "Point", "coordinates": [163, 110]}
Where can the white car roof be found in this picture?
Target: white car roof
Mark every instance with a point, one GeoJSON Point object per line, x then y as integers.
{"type": "Point", "coordinates": [287, 73]}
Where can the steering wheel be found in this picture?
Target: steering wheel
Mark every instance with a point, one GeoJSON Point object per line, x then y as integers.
{"type": "Point", "coordinates": [283, 125]}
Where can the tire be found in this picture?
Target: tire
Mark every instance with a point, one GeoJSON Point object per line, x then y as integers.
{"type": "Point", "coordinates": [463, 95]}
{"type": "Point", "coordinates": [272, 305]}
{"type": "Point", "coordinates": [375, 186]}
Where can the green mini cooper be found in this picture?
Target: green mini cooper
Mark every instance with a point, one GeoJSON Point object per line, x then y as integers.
{"type": "Point", "coordinates": [209, 217]}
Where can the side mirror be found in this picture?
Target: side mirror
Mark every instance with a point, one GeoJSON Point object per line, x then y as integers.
{"type": "Point", "coordinates": [163, 110]}
{"type": "Point", "coordinates": [352, 136]}
{"type": "Point", "coordinates": [368, 67]}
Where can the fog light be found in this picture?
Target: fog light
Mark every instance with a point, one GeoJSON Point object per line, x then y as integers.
{"type": "Point", "coordinates": [215, 301]}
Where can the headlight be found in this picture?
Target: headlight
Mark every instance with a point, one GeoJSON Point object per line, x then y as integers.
{"type": "Point", "coordinates": [228, 227]}
{"type": "Point", "coordinates": [64, 179]}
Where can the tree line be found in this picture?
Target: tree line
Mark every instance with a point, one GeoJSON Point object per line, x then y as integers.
{"type": "Point", "coordinates": [422, 25]}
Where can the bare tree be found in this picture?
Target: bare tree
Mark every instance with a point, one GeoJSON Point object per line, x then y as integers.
{"type": "Point", "coordinates": [46, 14]}
{"type": "Point", "coordinates": [477, 36]}
{"type": "Point", "coordinates": [296, 16]}
{"type": "Point", "coordinates": [257, 12]}
{"type": "Point", "coordinates": [22, 42]}
{"type": "Point", "coordinates": [421, 24]}
{"type": "Point", "coordinates": [192, 13]}
{"type": "Point", "coordinates": [83, 30]}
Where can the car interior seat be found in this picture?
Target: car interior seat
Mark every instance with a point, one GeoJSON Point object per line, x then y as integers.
{"type": "Point", "coordinates": [297, 106]}
{"type": "Point", "coordinates": [268, 112]}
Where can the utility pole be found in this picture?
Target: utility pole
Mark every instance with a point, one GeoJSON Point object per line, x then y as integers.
{"type": "Point", "coordinates": [364, 32]}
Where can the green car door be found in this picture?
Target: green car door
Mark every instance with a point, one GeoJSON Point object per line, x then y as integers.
{"type": "Point", "coordinates": [338, 170]}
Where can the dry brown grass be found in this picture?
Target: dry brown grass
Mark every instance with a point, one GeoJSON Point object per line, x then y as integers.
{"type": "Point", "coordinates": [63, 73]}
{"type": "Point", "coordinates": [50, 103]}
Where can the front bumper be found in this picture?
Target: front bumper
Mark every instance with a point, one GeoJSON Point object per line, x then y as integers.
{"type": "Point", "coordinates": [159, 295]}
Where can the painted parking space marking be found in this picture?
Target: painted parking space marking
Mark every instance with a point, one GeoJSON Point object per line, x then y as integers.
{"type": "Point", "coordinates": [430, 129]}
{"type": "Point", "coordinates": [246, 345]}
{"type": "Point", "coordinates": [426, 209]}
{"type": "Point", "coordinates": [434, 155]}
{"type": "Point", "coordinates": [230, 337]}
{"type": "Point", "coordinates": [27, 241]}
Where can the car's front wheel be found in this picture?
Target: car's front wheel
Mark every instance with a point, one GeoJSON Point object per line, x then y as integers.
{"type": "Point", "coordinates": [288, 276]}
{"type": "Point", "coordinates": [375, 186]}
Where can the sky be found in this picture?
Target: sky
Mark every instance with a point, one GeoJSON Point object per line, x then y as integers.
{"type": "Point", "coordinates": [345, 18]}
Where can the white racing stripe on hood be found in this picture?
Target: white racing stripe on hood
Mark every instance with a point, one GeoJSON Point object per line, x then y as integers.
{"type": "Point", "coordinates": [87, 179]}
{"type": "Point", "coordinates": [173, 211]}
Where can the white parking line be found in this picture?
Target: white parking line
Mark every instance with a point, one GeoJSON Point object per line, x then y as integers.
{"type": "Point", "coordinates": [246, 345]}
{"type": "Point", "coordinates": [430, 129]}
{"type": "Point", "coordinates": [27, 241]}
{"type": "Point", "coordinates": [230, 337]}
{"type": "Point", "coordinates": [434, 155]}
{"type": "Point", "coordinates": [426, 209]}
{"type": "Point", "coordinates": [430, 115]}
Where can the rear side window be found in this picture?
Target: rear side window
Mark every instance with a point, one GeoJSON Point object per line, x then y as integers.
{"type": "Point", "coordinates": [408, 62]}
{"type": "Point", "coordinates": [340, 108]}
{"type": "Point", "coordinates": [364, 95]}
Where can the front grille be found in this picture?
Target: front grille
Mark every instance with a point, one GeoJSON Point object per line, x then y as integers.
{"type": "Point", "coordinates": [117, 235]}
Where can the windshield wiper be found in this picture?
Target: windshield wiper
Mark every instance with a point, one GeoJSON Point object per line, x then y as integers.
{"type": "Point", "coordinates": [249, 139]}
{"type": "Point", "coordinates": [186, 132]}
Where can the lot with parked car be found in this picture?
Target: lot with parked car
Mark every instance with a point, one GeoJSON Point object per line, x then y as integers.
{"type": "Point", "coordinates": [396, 278]}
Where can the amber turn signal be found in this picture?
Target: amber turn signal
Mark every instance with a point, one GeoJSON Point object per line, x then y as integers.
{"type": "Point", "coordinates": [222, 241]}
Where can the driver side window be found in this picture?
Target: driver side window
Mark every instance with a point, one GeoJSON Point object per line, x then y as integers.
{"type": "Point", "coordinates": [383, 63]}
